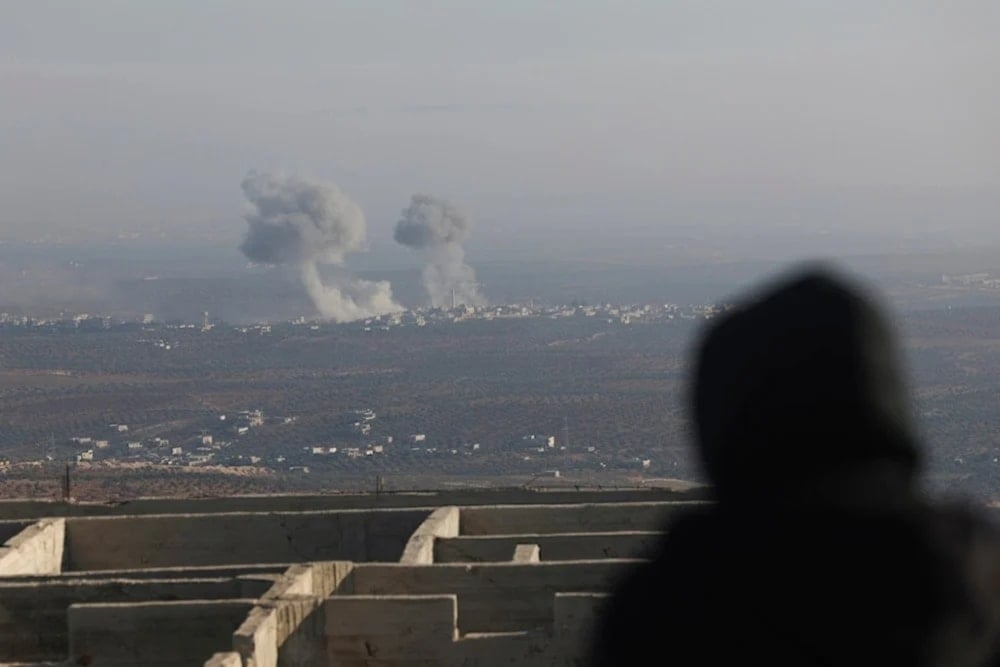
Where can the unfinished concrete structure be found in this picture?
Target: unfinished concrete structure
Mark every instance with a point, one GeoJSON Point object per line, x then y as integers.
{"type": "Point", "coordinates": [451, 578]}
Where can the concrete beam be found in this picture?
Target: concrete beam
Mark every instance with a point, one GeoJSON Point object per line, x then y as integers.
{"type": "Point", "coordinates": [38, 549]}
{"type": "Point", "coordinates": [442, 522]}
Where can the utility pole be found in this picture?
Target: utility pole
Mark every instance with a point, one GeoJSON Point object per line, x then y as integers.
{"type": "Point", "coordinates": [565, 432]}
{"type": "Point", "coordinates": [66, 490]}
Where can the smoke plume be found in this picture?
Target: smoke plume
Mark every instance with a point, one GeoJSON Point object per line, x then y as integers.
{"type": "Point", "coordinates": [438, 228]}
{"type": "Point", "coordinates": [298, 223]}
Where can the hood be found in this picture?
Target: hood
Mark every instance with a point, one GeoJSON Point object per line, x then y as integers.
{"type": "Point", "coordinates": [800, 385]}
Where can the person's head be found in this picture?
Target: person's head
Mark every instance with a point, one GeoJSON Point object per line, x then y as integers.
{"type": "Point", "coordinates": [800, 382]}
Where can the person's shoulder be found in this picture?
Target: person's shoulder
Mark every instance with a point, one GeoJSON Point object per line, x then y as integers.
{"type": "Point", "coordinates": [970, 536]}
{"type": "Point", "coordinates": [965, 529]}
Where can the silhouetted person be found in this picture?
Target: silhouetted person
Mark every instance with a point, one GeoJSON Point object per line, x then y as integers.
{"type": "Point", "coordinates": [820, 549]}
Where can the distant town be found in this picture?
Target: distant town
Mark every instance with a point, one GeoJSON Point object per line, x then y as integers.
{"type": "Point", "coordinates": [579, 392]}
{"type": "Point", "coordinates": [232, 438]}
{"type": "Point", "coordinates": [612, 313]}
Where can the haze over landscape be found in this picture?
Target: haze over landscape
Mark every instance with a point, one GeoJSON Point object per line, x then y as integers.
{"type": "Point", "coordinates": [870, 123]}
{"type": "Point", "coordinates": [483, 222]}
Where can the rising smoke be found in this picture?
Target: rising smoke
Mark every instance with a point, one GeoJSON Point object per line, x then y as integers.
{"type": "Point", "coordinates": [438, 228]}
{"type": "Point", "coordinates": [298, 223]}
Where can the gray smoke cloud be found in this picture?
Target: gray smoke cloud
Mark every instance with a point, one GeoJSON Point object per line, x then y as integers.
{"type": "Point", "coordinates": [302, 224]}
{"type": "Point", "coordinates": [438, 228]}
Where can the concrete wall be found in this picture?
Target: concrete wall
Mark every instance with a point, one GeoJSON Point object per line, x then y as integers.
{"type": "Point", "coordinates": [35, 509]}
{"type": "Point", "coordinates": [153, 633]}
{"type": "Point", "coordinates": [297, 600]}
{"type": "Point", "coordinates": [329, 577]}
{"type": "Point", "coordinates": [422, 630]}
{"type": "Point", "coordinates": [37, 549]}
{"type": "Point", "coordinates": [577, 624]}
{"type": "Point", "coordinates": [496, 597]}
{"type": "Point", "coordinates": [33, 616]}
{"type": "Point", "coordinates": [525, 649]}
{"type": "Point", "coordinates": [582, 518]}
{"type": "Point", "coordinates": [107, 543]}
{"type": "Point", "coordinates": [443, 522]}
{"type": "Point", "coordinates": [556, 547]}
{"type": "Point", "coordinates": [199, 572]}
{"type": "Point", "coordinates": [256, 640]}
{"type": "Point", "coordinates": [194, 571]}
{"type": "Point", "coordinates": [401, 630]}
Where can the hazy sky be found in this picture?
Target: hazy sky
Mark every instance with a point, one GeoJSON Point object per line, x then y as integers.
{"type": "Point", "coordinates": [542, 118]}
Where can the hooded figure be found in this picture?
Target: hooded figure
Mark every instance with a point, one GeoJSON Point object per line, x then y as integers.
{"type": "Point", "coordinates": [819, 548]}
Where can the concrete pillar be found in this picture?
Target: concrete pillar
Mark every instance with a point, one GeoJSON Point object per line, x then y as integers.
{"type": "Point", "coordinates": [227, 659]}
{"type": "Point", "coordinates": [38, 549]}
{"type": "Point", "coordinates": [527, 553]}
{"type": "Point", "coordinates": [443, 522]}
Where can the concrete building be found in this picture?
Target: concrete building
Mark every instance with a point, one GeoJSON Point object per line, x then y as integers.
{"type": "Point", "coordinates": [464, 577]}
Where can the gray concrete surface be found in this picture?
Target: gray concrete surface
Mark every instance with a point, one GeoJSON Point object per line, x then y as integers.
{"type": "Point", "coordinates": [36, 509]}
{"type": "Point", "coordinates": [33, 615]}
{"type": "Point", "coordinates": [584, 518]}
{"type": "Point", "coordinates": [107, 543]}
{"type": "Point", "coordinates": [153, 633]}
{"type": "Point", "coordinates": [520, 583]}
{"type": "Point", "coordinates": [493, 597]}
{"type": "Point", "coordinates": [557, 547]}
